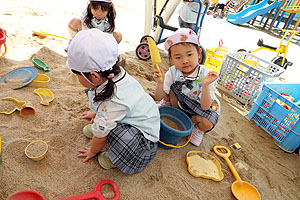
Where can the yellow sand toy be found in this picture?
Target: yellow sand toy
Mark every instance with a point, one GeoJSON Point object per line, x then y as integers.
{"type": "Point", "coordinates": [45, 94]}
{"type": "Point", "coordinates": [201, 164]}
{"type": "Point", "coordinates": [282, 49]}
{"type": "Point", "coordinates": [24, 107]}
{"type": "Point", "coordinates": [42, 34]}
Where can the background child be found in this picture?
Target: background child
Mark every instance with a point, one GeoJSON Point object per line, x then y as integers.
{"type": "Point", "coordinates": [99, 14]}
{"type": "Point", "coordinates": [188, 13]}
{"type": "Point", "coordinates": [220, 9]}
{"type": "Point", "coordinates": [124, 116]}
{"type": "Point", "coordinates": [187, 85]}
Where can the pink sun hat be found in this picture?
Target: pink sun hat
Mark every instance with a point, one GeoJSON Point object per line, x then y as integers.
{"type": "Point", "coordinates": [180, 36]}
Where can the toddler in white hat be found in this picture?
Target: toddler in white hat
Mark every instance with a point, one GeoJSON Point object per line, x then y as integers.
{"type": "Point", "coordinates": [123, 116]}
{"type": "Point", "coordinates": [187, 85]}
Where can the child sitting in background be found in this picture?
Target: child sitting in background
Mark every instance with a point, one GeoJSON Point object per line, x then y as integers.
{"type": "Point", "coordinates": [124, 117]}
{"type": "Point", "coordinates": [220, 9]}
{"type": "Point", "coordinates": [99, 14]}
{"type": "Point", "coordinates": [188, 13]}
{"type": "Point", "coordinates": [187, 85]}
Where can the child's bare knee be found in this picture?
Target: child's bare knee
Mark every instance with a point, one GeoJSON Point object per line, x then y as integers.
{"type": "Point", "coordinates": [117, 36]}
{"type": "Point", "coordinates": [75, 24]}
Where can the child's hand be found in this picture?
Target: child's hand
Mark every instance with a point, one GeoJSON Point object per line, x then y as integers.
{"type": "Point", "coordinates": [85, 152]}
{"type": "Point", "coordinates": [210, 77]}
{"type": "Point", "coordinates": [158, 74]}
{"type": "Point", "coordinates": [88, 115]}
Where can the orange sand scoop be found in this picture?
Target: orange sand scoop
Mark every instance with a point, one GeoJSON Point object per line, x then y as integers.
{"type": "Point", "coordinates": [27, 109]}
{"type": "Point", "coordinates": [155, 56]}
{"type": "Point", "coordinates": [45, 94]}
{"type": "Point", "coordinates": [43, 34]}
{"type": "Point", "coordinates": [242, 190]}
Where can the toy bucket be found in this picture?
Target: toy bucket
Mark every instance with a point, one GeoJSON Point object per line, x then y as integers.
{"type": "Point", "coordinates": [169, 137]}
{"type": "Point", "coordinates": [2, 41]}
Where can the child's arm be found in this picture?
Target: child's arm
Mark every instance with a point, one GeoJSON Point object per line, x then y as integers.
{"type": "Point", "coordinates": [159, 75]}
{"type": "Point", "coordinates": [206, 99]}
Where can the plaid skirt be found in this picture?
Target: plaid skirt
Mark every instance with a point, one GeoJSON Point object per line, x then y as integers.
{"type": "Point", "coordinates": [192, 107]}
{"type": "Point", "coordinates": [128, 149]}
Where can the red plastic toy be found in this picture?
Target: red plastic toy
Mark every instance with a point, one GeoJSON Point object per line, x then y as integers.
{"type": "Point", "coordinates": [2, 41]}
{"type": "Point", "coordinates": [96, 194]}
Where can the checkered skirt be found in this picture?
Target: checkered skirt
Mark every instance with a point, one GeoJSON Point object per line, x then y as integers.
{"type": "Point", "coordinates": [191, 106]}
{"type": "Point", "coordinates": [128, 149]}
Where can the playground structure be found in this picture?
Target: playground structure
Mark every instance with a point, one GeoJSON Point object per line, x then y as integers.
{"type": "Point", "coordinates": [282, 49]}
{"type": "Point", "coordinates": [252, 12]}
{"type": "Point", "coordinates": [265, 9]}
{"type": "Point", "coordinates": [290, 6]}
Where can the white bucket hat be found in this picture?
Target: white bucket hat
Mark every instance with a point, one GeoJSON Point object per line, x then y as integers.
{"type": "Point", "coordinates": [180, 36]}
{"type": "Point", "coordinates": [92, 50]}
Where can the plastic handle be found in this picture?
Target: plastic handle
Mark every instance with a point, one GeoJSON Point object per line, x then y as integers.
{"type": "Point", "coordinates": [226, 158]}
{"type": "Point", "coordinates": [97, 194]}
{"type": "Point", "coordinates": [57, 36]}
{"type": "Point", "coordinates": [5, 50]}
{"type": "Point", "coordinates": [220, 45]}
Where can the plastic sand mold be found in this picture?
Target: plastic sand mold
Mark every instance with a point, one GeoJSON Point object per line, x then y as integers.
{"type": "Point", "coordinates": [22, 106]}
{"type": "Point", "coordinates": [45, 94]}
{"type": "Point", "coordinates": [40, 64]}
{"type": "Point", "coordinates": [36, 150]}
{"type": "Point", "coordinates": [17, 106]}
{"type": "Point", "coordinates": [41, 81]}
{"type": "Point", "coordinates": [20, 77]}
{"type": "Point", "coordinates": [201, 164]}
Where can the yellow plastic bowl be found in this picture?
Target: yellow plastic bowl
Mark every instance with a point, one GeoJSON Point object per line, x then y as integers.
{"type": "Point", "coordinates": [41, 81]}
{"type": "Point", "coordinates": [40, 157]}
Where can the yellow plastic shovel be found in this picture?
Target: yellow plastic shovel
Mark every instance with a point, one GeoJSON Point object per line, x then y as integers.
{"type": "Point", "coordinates": [155, 56]}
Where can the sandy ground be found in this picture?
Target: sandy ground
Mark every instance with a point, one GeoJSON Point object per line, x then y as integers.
{"type": "Point", "coordinates": [61, 174]}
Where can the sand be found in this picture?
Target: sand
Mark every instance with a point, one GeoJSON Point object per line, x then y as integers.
{"type": "Point", "coordinates": [61, 174]}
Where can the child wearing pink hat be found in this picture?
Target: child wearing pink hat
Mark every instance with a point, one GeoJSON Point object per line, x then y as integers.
{"type": "Point", "coordinates": [99, 14]}
{"type": "Point", "coordinates": [188, 85]}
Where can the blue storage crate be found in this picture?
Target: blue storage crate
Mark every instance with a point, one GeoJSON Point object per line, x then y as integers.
{"type": "Point", "coordinates": [281, 123]}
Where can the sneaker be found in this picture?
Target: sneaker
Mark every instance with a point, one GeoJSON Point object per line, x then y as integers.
{"type": "Point", "coordinates": [197, 136]}
{"type": "Point", "coordinates": [104, 161]}
{"type": "Point", "coordinates": [87, 131]}
{"type": "Point", "coordinates": [121, 60]}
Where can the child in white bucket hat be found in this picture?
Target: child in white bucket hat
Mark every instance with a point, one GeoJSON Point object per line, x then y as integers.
{"type": "Point", "coordinates": [188, 85]}
{"type": "Point", "coordinates": [124, 117]}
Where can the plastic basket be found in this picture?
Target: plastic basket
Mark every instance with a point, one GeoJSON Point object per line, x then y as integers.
{"type": "Point", "coordinates": [213, 60]}
{"type": "Point", "coordinates": [281, 123]}
{"type": "Point", "coordinates": [242, 81]}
